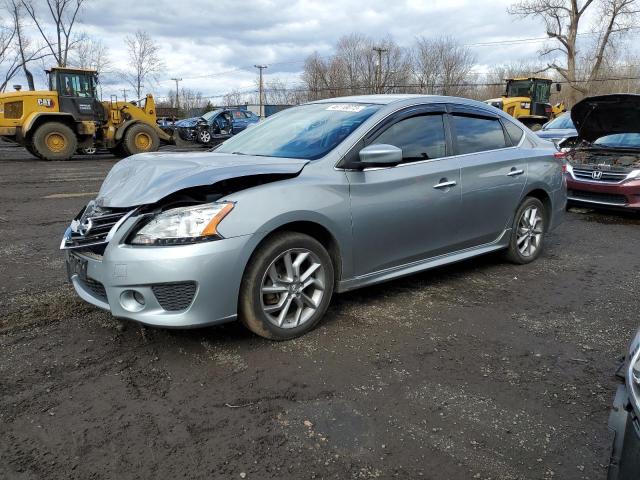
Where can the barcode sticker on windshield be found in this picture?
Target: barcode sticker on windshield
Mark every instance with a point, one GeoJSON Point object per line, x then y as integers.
{"type": "Point", "coordinates": [346, 107]}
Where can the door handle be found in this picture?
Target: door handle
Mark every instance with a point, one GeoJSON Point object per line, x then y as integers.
{"type": "Point", "coordinates": [515, 172]}
{"type": "Point", "coordinates": [445, 184]}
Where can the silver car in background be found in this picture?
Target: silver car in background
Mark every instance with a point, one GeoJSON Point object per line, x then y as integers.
{"type": "Point", "coordinates": [325, 197]}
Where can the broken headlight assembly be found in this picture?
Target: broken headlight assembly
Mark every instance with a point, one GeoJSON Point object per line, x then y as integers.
{"type": "Point", "coordinates": [183, 225]}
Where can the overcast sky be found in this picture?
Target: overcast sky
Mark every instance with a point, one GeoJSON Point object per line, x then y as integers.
{"type": "Point", "coordinates": [203, 37]}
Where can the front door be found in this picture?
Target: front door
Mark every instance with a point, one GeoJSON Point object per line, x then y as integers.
{"type": "Point", "coordinates": [77, 96]}
{"type": "Point", "coordinates": [408, 212]}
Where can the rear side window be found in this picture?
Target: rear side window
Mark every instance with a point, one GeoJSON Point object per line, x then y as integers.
{"type": "Point", "coordinates": [476, 134]}
{"type": "Point", "coordinates": [420, 138]}
{"type": "Point", "coordinates": [515, 132]}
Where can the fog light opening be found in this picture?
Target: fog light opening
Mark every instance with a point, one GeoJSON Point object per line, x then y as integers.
{"type": "Point", "coordinates": [132, 300]}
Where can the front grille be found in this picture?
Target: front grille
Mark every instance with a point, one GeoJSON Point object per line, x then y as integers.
{"type": "Point", "coordinates": [96, 288]}
{"type": "Point", "coordinates": [607, 176]}
{"type": "Point", "coordinates": [596, 197]}
{"type": "Point", "coordinates": [174, 296]}
{"type": "Point", "coordinates": [92, 226]}
{"type": "Point", "coordinates": [13, 110]}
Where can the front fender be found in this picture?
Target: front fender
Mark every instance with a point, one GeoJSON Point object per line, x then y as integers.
{"type": "Point", "coordinates": [31, 119]}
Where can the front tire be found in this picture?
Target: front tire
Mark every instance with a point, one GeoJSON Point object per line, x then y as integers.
{"type": "Point", "coordinates": [54, 141]}
{"type": "Point", "coordinates": [204, 136]}
{"type": "Point", "coordinates": [287, 287]}
{"type": "Point", "coordinates": [140, 138]}
{"type": "Point", "coordinates": [527, 232]}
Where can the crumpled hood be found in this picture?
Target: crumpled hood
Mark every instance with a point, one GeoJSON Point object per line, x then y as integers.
{"type": "Point", "coordinates": [595, 117]}
{"type": "Point", "coordinates": [148, 177]}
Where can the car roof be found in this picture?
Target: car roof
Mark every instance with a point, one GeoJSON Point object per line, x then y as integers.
{"type": "Point", "coordinates": [389, 99]}
{"type": "Point", "coordinates": [393, 101]}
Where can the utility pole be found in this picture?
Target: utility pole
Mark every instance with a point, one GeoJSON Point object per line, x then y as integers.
{"type": "Point", "coordinates": [380, 50]}
{"type": "Point", "coordinates": [124, 93]}
{"type": "Point", "coordinates": [261, 89]}
{"type": "Point", "coordinates": [177, 80]}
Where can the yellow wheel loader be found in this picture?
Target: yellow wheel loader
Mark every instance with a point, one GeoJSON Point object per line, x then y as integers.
{"type": "Point", "coordinates": [55, 123]}
{"type": "Point", "coordinates": [527, 99]}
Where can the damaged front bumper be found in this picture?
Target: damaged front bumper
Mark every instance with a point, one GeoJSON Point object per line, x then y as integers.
{"type": "Point", "coordinates": [175, 287]}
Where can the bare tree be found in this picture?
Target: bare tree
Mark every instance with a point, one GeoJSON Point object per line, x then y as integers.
{"type": "Point", "coordinates": [144, 56]}
{"type": "Point", "coordinates": [232, 99]}
{"type": "Point", "coordinates": [94, 54]}
{"type": "Point", "coordinates": [442, 66]}
{"type": "Point", "coordinates": [63, 14]}
{"type": "Point", "coordinates": [16, 50]}
{"type": "Point", "coordinates": [354, 68]}
{"type": "Point", "coordinates": [562, 19]}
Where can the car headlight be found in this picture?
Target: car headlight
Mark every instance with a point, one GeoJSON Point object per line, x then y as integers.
{"type": "Point", "coordinates": [183, 225]}
{"type": "Point", "coordinates": [633, 175]}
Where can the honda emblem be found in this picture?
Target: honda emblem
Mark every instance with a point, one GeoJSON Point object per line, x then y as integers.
{"type": "Point", "coordinates": [596, 174]}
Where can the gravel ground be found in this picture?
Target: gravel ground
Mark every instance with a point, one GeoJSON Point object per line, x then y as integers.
{"type": "Point", "coordinates": [481, 370]}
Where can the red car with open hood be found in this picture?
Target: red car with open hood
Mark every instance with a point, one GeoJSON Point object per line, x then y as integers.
{"type": "Point", "coordinates": [603, 169]}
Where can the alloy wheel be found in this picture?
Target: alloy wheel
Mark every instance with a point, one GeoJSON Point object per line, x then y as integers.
{"type": "Point", "coordinates": [205, 136]}
{"type": "Point", "coordinates": [530, 231]}
{"type": "Point", "coordinates": [292, 288]}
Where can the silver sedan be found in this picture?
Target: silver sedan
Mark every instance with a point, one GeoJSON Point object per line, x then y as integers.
{"type": "Point", "coordinates": [325, 197]}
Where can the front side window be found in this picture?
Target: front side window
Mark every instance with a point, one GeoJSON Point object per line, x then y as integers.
{"type": "Point", "coordinates": [308, 131]}
{"type": "Point", "coordinates": [477, 134]}
{"type": "Point", "coordinates": [420, 138]}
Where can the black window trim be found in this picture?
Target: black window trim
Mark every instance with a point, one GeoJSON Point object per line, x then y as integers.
{"type": "Point", "coordinates": [392, 119]}
{"type": "Point", "coordinates": [448, 109]}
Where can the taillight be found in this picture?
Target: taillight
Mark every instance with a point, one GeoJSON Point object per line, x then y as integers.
{"type": "Point", "coordinates": [560, 155]}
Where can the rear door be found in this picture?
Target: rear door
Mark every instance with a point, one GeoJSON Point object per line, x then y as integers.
{"type": "Point", "coordinates": [493, 172]}
{"type": "Point", "coordinates": [408, 212]}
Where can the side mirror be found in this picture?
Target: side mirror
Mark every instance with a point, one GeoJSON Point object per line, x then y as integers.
{"type": "Point", "coordinates": [381, 155]}
{"type": "Point", "coordinates": [558, 87]}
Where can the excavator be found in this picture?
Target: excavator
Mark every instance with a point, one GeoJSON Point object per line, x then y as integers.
{"type": "Point", "coordinates": [528, 100]}
{"type": "Point", "coordinates": [54, 124]}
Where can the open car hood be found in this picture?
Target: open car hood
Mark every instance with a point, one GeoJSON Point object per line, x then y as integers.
{"type": "Point", "coordinates": [148, 177]}
{"type": "Point", "coordinates": [595, 117]}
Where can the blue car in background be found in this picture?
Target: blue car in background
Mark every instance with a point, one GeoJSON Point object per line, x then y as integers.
{"type": "Point", "coordinates": [558, 129]}
{"type": "Point", "coordinates": [215, 126]}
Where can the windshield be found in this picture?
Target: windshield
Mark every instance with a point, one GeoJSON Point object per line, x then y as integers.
{"type": "Point", "coordinates": [561, 123]}
{"type": "Point", "coordinates": [308, 132]}
{"type": "Point", "coordinates": [519, 88]}
{"type": "Point", "coordinates": [209, 115]}
{"type": "Point", "coordinates": [619, 140]}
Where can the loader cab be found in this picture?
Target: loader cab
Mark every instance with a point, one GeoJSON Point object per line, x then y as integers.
{"type": "Point", "coordinates": [77, 92]}
{"type": "Point", "coordinates": [537, 89]}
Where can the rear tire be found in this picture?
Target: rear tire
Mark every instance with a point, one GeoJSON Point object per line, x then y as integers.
{"type": "Point", "coordinates": [287, 287]}
{"type": "Point", "coordinates": [140, 138]}
{"type": "Point", "coordinates": [527, 232]}
{"type": "Point", "coordinates": [54, 141]}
